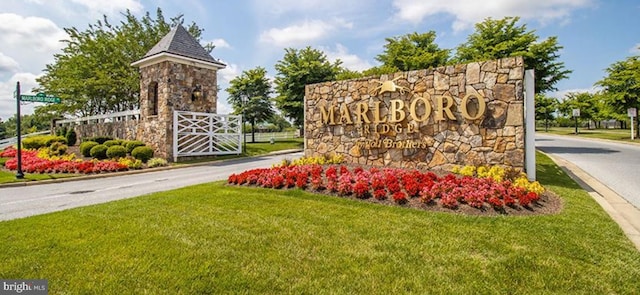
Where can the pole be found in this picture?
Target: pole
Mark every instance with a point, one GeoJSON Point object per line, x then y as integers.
{"type": "Point", "coordinates": [244, 136]}
{"type": "Point", "coordinates": [530, 124]}
{"type": "Point", "coordinates": [632, 134]}
{"type": "Point", "coordinates": [19, 174]}
{"type": "Point", "coordinates": [576, 123]}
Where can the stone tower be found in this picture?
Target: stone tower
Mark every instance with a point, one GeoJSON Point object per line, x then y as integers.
{"type": "Point", "coordinates": [177, 74]}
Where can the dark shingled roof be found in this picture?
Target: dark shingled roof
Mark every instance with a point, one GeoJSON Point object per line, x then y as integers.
{"type": "Point", "coordinates": [178, 41]}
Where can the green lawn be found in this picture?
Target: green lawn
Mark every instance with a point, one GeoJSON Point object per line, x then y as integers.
{"type": "Point", "coordinates": [10, 176]}
{"type": "Point", "coordinates": [211, 239]}
{"type": "Point", "coordinates": [611, 134]}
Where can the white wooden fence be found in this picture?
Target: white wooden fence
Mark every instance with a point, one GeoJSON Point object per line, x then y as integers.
{"type": "Point", "coordinates": [267, 136]}
{"type": "Point", "coordinates": [113, 117]}
{"type": "Point", "coordinates": [204, 134]}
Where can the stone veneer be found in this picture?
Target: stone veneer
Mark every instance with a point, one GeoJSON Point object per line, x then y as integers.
{"type": "Point", "coordinates": [176, 82]}
{"type": "Point", "coordinates": [495, 138]}
{"type": "Point", "coordinates": [127, 130]}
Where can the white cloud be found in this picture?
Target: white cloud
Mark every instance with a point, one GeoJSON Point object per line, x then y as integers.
{"type": "Point", "coordinates": [8, 64]}
{"type": "Point", "coordinates": [279, 7]}
{"type": "Point", "coordinates": [8, 103]}
{"type": "Point", "coordinates": [467, 13]}
{"type": "Point", "coordinates": [302, 33]}
{"type": "Point", "coordinates": [110, 7]}
{"type": "Point", "coordinates": [349, 61]}
{"type": "Point", "coordinates": [635, 49]}
{"type": "Point", "coordinates": [30, 33]}
{"type": "Point", "coordinates": [227, 74]}
{"type": "Point", "coordinates": [220, 43]}
{"type": "Point", "coordinates": [561, 94]}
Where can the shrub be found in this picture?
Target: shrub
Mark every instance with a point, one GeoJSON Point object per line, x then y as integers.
{"type": "Point", "coordinates": [132, 144]}
{"type": "Point", "coordinates": [99, 152]}
{"type": "Point", "coordinates": [116, 151]}
{"type": "Point", "coordinates": [61, 131]}
{"type": "Point", "coordinates": [41, 141]}
{"type": "Point", "coordinates": [157, 162]}
{"type": "Point", "coordinates": [85, 148]}
{"type": "Point", "coordinates": [142, 153]}
{"type": "Point", "coordinates": [113, 142]}
{"type": "Point", "coordinates": [57, 149]}
{"type": "Point", "coordinates": [71, 137]}
{"type": "Point", "coordinates": [131, 162]}
{"type": "Point", "coordinates": [99, 139]}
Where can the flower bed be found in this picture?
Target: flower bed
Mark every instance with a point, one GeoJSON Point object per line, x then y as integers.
{"type": "Point", "coordinates": [486, 189]}
{"type": "Point", "coordinates": [35, 162]}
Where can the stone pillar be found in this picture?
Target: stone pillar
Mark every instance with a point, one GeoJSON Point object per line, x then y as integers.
{"type": "Point", "coordinates": [166, 87]}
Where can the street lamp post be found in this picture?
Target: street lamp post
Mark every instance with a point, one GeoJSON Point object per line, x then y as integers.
{"type": "Point", "coordinates": [244, 135]}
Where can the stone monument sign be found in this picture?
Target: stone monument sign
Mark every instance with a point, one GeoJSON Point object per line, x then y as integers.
{"type": "Point", "coordinates": [426, 119]}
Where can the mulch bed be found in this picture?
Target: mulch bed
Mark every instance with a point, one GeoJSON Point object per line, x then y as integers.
{"type": "Point", "coordinates": [549, 203]}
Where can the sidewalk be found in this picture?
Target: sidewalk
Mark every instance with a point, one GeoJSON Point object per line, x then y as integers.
{"type": "Point", "coordinates": [625, 214]}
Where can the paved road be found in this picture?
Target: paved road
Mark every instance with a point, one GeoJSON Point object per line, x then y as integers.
{"type": "Point", "coordinates": [615, 165]}
{"type": "Point", "coordinates": [23, 201]}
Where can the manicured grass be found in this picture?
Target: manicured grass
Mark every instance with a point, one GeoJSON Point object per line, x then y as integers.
{"type": "Point", "coordinates": [10, 176]}
{"type": "Point", "coordinates": [260, 148]}
{"type": "Point", "coordinates": [610, 134]}
{"type": "Point", "coordinates": [215, 239]}
{"type": "Point", "coordinates": [255, 149]}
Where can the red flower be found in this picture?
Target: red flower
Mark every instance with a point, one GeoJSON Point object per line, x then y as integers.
{"type": "Point", "coordinates": [399, 197]}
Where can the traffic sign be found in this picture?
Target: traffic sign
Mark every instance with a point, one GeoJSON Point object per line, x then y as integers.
{"type": "Point", "coordinates": [40, 97]}
{"type": "Point", "coordinates": [631, 112]}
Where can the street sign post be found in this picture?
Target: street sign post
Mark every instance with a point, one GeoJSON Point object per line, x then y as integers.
{"type": "Point", "coordinates": [576, 114]}
{"type": "Point", "coordinates": [632, 112]}
{"type": "Point", "coordinates": [39, 97]}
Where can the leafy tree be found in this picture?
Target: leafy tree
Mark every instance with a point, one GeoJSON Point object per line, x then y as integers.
{"type": "Point", "coordinates": [622, 85]}
{"type": "Point", "coordinates": [249, 96]}
{"type": "Point", "coordinates": [28, 124]}
{"type": "Point", "coordinates": [412, 52]}
{"type": "Point", "coordinates": [279, 122]}
{"type": "Point", "coordinates": [545, 109]}
{"type": "Point", "coordinates": [495, 39]}
{"type": "Point", "coordinates": [3, 130]}
{"type": "Point", "coordinates": [584, 101]}
{"type": "Point", "coordinates": [297, 69]}
{"type": "Point", "coordinates": [93, 75]}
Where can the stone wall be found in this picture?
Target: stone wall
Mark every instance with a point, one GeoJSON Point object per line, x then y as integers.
{"type": "Point", "coordinates": [123, 130]}
{"type": "Point", "coordinates": [176, 82]}
{"type": "Point", "coordinates": [425, 119]}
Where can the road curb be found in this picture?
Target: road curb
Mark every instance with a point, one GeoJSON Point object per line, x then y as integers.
{"type": "Point", "coordinates": [132, 172]}
{"type": "Point", "coordinates": [620, 210]}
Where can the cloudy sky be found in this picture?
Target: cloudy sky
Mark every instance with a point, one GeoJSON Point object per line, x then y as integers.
{"type": "Point", "coordinates": [251, 33]}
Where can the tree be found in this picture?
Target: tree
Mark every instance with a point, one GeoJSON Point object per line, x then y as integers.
{"type": "Point", "coordinates": [249, 96]}
{"type": "Point", "coordinates": [279, 122]}
{"type": "Point", "coordinates": [545, 109]}
{"type": "Point", "coordinates": [93, 75]}
{"type": "Point", "coordinates": [583, 101]}
{"type": "Point", "coordinates": [3, 130]}
{"type": "Point", "coordinates": [622, 85]}
{"type": "Point", "coordinates": [495, 39]}
{"type": "Point", "coordinates": [412, 52]}
{"type": "Point", "coordinates": [297, 69]}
